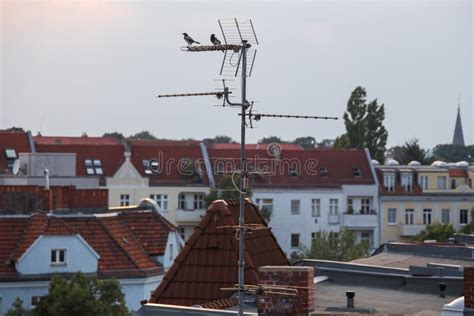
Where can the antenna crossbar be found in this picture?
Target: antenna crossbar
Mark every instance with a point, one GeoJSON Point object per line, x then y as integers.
{"type": "Point", "coordinates": [258, 116]}
{"type": "Point", "coordinates": [218, 94]}
{"type": "Point", "coordinates": [209, 48]}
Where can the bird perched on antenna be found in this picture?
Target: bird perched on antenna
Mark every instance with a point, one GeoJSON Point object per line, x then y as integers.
{"type": "Point", "coordinates": [189, 39]}
{"type": "Point", "coordinates": [215, 41]}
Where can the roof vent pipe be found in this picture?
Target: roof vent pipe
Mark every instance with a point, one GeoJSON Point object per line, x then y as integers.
{"type": "Point", "coordinates": [442, 290]}
{"type": "Point", "coordinates": [350, 299]}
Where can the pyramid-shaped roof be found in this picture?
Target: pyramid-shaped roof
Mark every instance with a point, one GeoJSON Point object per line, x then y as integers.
{"type": "Point", "coordinates": [458, 138]}
{"type": "Point", "coordinates": [209, 258]}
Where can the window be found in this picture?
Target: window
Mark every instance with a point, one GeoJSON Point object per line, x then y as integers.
{"type": "Point", "coordinates": [427, 216]}
{"type": "Point", "coordinates": [407, 180]}
{"type": "Point", "coordinates": [445, 215]}
{"type": "Point", "coordinates": [333, 206]}
{"type": "Point", "coordinates": [35, 300]}
{"type": "Point", "coordinates": [366, 237]}
{"type": "Point", "coordinates": [161, 200]}
{"type": "Point", "coordinates": [389, 182]}
{"type": "Point", "coordinates": [316, 207]}
{"type": "Point", "coordinates": [441, 182]}
{"type": "Point", "coordinates": [295, 207]}
{"type": "Point", "coordinates": [293, 172]}
{"type": "Point", "coordinates": [265, 204]}
{"type": "Point", "coordinates": [198, 201]}
{"type": "Point", "coordinates": [295, 240]}
{"type": "Point", "coordinates": [323, 172]}
{"type": "Point", "coordinates": [423, 181]}
{"type": "Point", "coordinates": [463, 217]}
{"type": "Point", "coordinates": [93, 166]}
{"type": "Point", "coordinates": [58, 256]}
{"type": "Point", "coordinates": [453, 184]}
{"type": "Point", "coordinates": [350, 206]}
{"type": "Point", "coordinates": [146, 166]}
{"type": "Point", "coordinates": [182, 205]}
{"type": "Point", "coordinates": [315, 235]}
{"type": "Point", "coordinates": [124, 199]}
{"type": "Point", "coordinates": [365, 206]}
{"type": "Point", "coordinates": [10, 153]}
{"type": "Point", "coordinates": [11, 156]}
{"type": "Point", "coordinates": [181, 232]}
{"type": "Point", "coordinates": [409, 216]}
{"type": "Point", "coordinates": [151, 166]}
{"type": "Point", "coordinates": [392, 216]}
{"type": "Point", "coordinates": [356, 172]}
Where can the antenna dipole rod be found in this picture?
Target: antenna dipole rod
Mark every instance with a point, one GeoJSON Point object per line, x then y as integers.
{"type": "Point", "coordinates": [257, 116]}
{"type": "Point", "coordinates": [219, 94]}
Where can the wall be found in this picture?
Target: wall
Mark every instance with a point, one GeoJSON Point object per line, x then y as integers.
{"type": "Point", "coordinates": [173, 247]}
{"type": "Point", "coordinates": [391, 232]}
{"type": "Point", "coordinates": [137, 290]}
{"type": "Point", "coordinates": [37, 259]}
{"type": "Point", "coordinates": [25, 290]}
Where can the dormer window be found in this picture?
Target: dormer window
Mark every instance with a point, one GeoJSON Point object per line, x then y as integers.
{"type": "Point", "coordinates": [356, 172]}
{"type": "Point", "coordinates": [389, 182]}
{"type": "Point", "coordinates": [93, 166]}
{"type": "Point", "coordinates": [323, 172]}
{"type": "Point", "coordinates": [407, 181]}
{"type": "Point", "coordinates": [58, 256]}
{"type": "Point", "coordinates": [10, 154]}
{"type": "Point", "coordinates": [151, 166]}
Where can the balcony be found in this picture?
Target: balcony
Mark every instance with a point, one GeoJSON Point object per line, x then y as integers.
{"type": "Point", "coordinates": [411, 230]}
{"type": "Point", "coordinates": [189, 216]}
{"type": "Point", "coordinates": [333, 219]}
{"type": "Point", "coordinates": [359, 220]}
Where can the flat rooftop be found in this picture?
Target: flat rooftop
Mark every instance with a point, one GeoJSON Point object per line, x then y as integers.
{"type": "Point", "coordinates": [400, 260]}
{"type": "Point", "coordinates": [392, 302]}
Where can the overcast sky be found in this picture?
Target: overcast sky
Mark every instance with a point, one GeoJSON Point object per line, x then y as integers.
{"type": "Point", "coordinates": [94, 66]}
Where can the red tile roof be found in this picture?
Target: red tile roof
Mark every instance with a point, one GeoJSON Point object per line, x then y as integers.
{"type": "Point", "coordinates": [12, 140]}
{"type": "Point", "coordinates": [172, 157]}
{"type": "Point", "coordinates": [125, 249]}
{"type": "Point", "coordinates": [398, 189]}
{"type": "Point", "coordinates": [253, 146]}
{"type": "Point", "coordinates": [106, 149]}
{"type": "Point", "coordinates": [340, 165]}
{"type": "Point", "coordinates": [208, 260]}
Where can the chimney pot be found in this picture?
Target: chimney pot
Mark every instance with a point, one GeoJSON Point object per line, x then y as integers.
{"type": "Point", "coordinates": [442, 289]}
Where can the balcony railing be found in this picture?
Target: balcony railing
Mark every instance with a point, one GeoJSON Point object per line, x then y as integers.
{"type": "Point", "coordinates": [411, 230]}
{"type": "Point", "coordinates": [189, 215]}
{"type": "Point", "coordinates": [359, 220]}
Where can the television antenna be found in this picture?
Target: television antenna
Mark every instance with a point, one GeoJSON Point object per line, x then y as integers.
{"type": "Point", "coordinates": [238, 61]}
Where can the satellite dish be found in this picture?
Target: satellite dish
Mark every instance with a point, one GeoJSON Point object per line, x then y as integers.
{"type": "Point", "coordinates": [16, 167]}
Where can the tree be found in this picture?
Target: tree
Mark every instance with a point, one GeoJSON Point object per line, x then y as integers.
{"type": "Point", "coordinates": [115, 135]}
{"type": "Point", "coordinates": [436, 231]}
{"type": "Point", "coordinates": [305, 142]}
{"type": "Point", "coordinates": [454, 153]}
{"type": "Point", "coordinates": [326, 143]}
{"type": "Point", "coordinates": [225, 190]}
{"type": "Point", "coordinates": [271, 139]}
{"type": "Point", "coordinates": [223, 139]}
{"type": "Point", "coordinates": [412, 151]}
{"type": "Point", "coordinates": [364, 125]}
{"type": "Point", "coordinates": [143, 135]}
{"type": "Point", "coordinates": [82, 295]}
{"type": "Point", "coordinates": [341, 246]}
{"type": "Point", "coordinates": [18, 309]}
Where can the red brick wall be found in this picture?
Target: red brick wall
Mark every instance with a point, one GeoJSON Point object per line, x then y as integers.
{"type": "Point", "coordinates": [469, 287]}
{"type": "Point", "coordinates": [301, 278]}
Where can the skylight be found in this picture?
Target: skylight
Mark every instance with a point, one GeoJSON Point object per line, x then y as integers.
{"type": "Point", "coordinates": [323, 172]}
{"type": "Point", "coordinates": [10, 153]}
{"type": "Point", "coordinates": [146, 166]}
{"type": "Point", "coordinates": [356, 172]}
{"type": "Point", "coordinates": [93, 166]}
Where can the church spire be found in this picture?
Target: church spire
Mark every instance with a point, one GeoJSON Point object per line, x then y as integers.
{"type": "Point", "coordinates": [458, 138]}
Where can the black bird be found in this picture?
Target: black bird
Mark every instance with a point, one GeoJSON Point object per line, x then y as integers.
{"type": "Point", "coordinates": [189, 40]}
{"type": "Point", "coordinates": [215, 41]}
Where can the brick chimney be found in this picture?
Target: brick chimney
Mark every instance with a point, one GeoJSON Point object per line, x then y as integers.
{"type": "Point", "coordinates": [302, 278]}
{"type": "Point", "coordinates": [469, 287]}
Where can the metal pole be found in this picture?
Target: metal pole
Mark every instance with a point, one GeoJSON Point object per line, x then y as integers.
{"type": "Point", "coordinates": [241, 263]}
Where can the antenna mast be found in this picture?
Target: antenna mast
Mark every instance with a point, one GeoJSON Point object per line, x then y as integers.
{"type": "Point", "coordinates": [239, 36]}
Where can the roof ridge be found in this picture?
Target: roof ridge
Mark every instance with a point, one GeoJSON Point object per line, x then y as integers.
{"type": "Point", "coordinates": [40, 215]}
